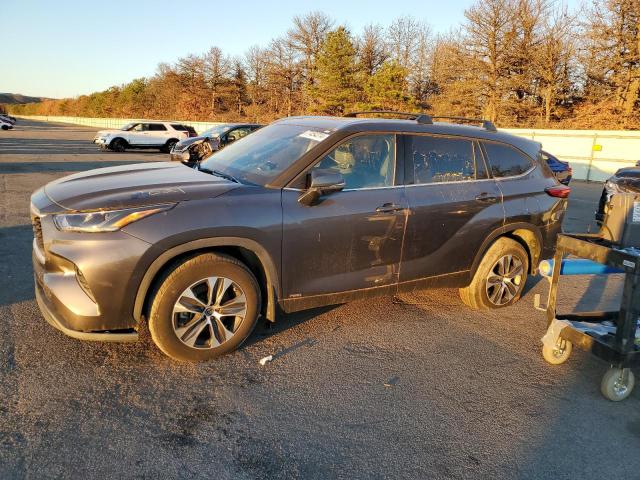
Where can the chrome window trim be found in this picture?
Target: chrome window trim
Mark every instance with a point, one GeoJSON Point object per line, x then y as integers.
{"type": "Point", "coordinates": [466, 182]}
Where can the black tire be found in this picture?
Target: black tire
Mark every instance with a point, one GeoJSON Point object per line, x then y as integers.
{"type": "Point", "coordinates": [4, 127]}
{"type": "Point", "coordinates": [173, 285]}
{"type": "Point", "coordinates": [476, 294]}
{"type": "Point", "coordinates": [118, 145]}
{"type": "Point", "coordinates": [166, 148]}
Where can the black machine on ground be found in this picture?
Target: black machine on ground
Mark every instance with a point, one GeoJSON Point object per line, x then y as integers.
{"type": "Point", "coordinates": [609, 335]}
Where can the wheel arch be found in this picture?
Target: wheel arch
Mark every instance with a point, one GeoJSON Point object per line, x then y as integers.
{"type": "Point", "coordinates": [118, 138]}
{"type": "Point", "coordinates": [251, 253]}
{"type": "Point", "coordinates": [525, 234]}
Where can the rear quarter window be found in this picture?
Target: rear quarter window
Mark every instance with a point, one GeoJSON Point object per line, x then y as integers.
{"type": "Point", "coordinates": [506, 161]}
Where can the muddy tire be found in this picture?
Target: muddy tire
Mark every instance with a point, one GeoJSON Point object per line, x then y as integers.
{"type": "Point", "coordinates": [500, 278]}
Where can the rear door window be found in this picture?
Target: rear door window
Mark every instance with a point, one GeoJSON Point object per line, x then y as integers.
{"type": "Point", "coordinates": [443, 159]}
{"type": "Point", "coordinates": [157, 127]}
{"type": "Point", "coordinates": [506, 161]}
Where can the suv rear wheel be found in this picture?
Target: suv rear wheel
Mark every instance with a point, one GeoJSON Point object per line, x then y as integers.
{"type": "Point", "coordinates": [205, 307]}
{"type": "Point", "coordinates": [500, 277]}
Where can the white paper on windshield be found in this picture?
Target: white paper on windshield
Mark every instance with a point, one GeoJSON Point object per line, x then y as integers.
{"type": "Point", "coordinates": [313, 135]}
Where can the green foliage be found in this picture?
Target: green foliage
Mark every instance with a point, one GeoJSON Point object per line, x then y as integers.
{"type": "Point", "coordinates": [387, 88]}
{"type": "Point", "coordinates": [336, 74]}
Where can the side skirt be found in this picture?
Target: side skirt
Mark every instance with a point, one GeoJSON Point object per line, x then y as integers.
{"type": "Point", "coordinates": [450, 280]}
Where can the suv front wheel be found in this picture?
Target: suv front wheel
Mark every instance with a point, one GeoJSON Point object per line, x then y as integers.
{"type": "Point", "coordinates": [203, 308]}
{"type": "Point", "coordinates": [500, 277]}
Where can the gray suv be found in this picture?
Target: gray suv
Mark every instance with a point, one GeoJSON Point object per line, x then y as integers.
{"type": "Point", "coordinates": [307, 211]}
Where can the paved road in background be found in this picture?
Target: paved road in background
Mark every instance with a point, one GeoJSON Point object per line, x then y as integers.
{"type": "Point", "coordinates": [415, 386]}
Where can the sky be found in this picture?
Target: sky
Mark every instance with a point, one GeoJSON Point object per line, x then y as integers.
{"type": "Point", "coordinates": [65, 48]}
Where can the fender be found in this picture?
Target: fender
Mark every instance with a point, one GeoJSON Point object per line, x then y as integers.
{"type": "Point", "coordinates": [272, 287]}
{"type": "Point", "coordinates": [501, 231]}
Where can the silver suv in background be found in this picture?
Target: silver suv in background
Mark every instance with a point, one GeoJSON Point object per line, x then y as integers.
{"type": "Point", "coordinates": [160, 135]}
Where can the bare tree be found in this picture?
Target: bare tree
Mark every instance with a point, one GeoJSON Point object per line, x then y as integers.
{"type": "Point", "coordinates": [489, 41]}
{"type": "Point", "coordinates": [217, 68]}
{"type": "Point", "coordinates": [402, 37]}
{"type": "Point", "coordinates": [372, 49]}
{"type": "Point", "coordinates": [284, 74]}
{"type": "Point", "coordinates": [306, 37]}
{"type": "Point", "coordinates": [554, 65]}
{"type": "Point", "coordinates": [612, 38]}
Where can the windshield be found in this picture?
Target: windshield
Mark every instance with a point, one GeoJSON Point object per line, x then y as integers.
{"type": "Point", "coordinates": [629, 174]}
{"type": "Point", "coordinates": [128, 126]}
{"type": "Point", "coordinates": [260, 157]}
{"type": "Point", "coordinates": [215, 131]}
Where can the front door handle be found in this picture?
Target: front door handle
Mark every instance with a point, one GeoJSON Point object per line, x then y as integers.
{"type": "Point", "coordinates": [485, 197]}
{"type": "Point", "coordinates": [389, 208]}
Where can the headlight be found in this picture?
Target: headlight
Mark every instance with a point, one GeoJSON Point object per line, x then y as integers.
{"type": "Point", "coordinates": [105, 220]}
{"type": "Point", "coordinates": [611, 187]}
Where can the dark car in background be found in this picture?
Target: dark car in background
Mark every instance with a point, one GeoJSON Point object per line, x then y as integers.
{"type": "Point", "coordinates": [305, 212]}
{"type": "Point", "coordinates": [625, 180]}
{"type": "Point", "coordinates": [562, 170]}
{"type": "Point", "coordinates": [194, 149]}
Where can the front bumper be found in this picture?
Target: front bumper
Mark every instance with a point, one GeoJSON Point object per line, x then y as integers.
{"type": "Point", "coordinates": [180, 155]}
{"type": "Point", "coordinates": [86, 283]}
{"type": "Point", "coordinates": [107, 336]}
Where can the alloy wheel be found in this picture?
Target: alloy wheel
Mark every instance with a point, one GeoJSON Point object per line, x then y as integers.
{"type": "Point", "coordinates": [209, 312]}
{"type": "Point", "coordinates": [504, 280]}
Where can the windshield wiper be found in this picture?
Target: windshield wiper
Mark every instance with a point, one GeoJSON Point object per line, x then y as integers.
{"type": "Point", "coordinates": [218, 173]}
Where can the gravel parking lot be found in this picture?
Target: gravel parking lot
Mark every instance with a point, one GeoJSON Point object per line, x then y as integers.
{"type": "Point", "coordinates": [414, 386]}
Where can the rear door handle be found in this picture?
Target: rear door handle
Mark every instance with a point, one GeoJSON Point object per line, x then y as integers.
{"type": "Point", "coordinates": [389, 208]}
{"type": "Point", "coordinates": [486, 198]}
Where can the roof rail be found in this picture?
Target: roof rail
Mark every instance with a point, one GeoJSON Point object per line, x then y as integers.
{"type": "Point", "coordinates": [418, 117]}
{"type": "Point", "coordinates": [486, 124]}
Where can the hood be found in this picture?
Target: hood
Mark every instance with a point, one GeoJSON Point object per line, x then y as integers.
{"type": "Point", "coordinates": [187, 142]}
{"type": "Point", "coordinates": [110, 131]}
{"type": "Point", "coordinates": [135, 185]}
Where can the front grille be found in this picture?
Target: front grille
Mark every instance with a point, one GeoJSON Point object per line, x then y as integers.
{"type": "Point", "coordinates": [37, 231]}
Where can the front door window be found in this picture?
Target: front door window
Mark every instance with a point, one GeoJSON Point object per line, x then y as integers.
{"type": "Point", "coordinates": [365, 161]}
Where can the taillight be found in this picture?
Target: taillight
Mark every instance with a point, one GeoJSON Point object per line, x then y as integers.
{"type": "Point", "coordinates": [558, 191]}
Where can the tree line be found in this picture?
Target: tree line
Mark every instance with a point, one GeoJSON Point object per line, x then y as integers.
{"type": "Point", "coordinates": [520, 63]}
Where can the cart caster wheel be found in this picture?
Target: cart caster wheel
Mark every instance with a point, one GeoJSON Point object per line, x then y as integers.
{"type": "Point", "coordinates": [617, 384]}
{"type": "Point", "coordinates": [559, 353]}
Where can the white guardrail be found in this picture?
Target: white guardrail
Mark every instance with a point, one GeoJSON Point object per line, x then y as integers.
{"type": "Point", "coordinates": [594, 154]}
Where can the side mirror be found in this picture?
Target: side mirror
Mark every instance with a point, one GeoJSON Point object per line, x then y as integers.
{"type": "Point", "coordinates": [321, 182]}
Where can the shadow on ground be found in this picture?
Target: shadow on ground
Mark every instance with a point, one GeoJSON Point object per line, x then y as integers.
{"type": "Point", "coordinates": [58, 167]}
